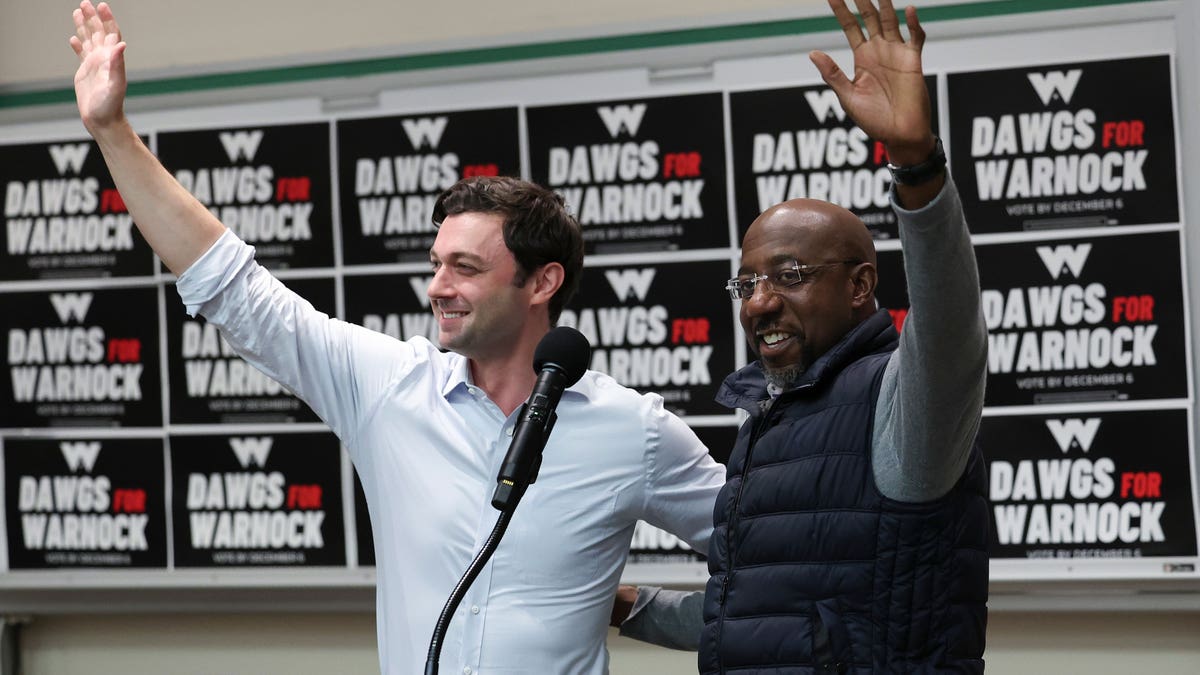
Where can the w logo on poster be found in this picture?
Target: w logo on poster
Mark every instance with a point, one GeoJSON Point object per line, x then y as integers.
{"type": "Point", "coordinates": [251, 450]}
{"type": "Point", "coordinates": [1064, 259]}
{"type": "Point", "coordinates": [69, 157]}
{"type": "Point", "coordinates": [80, 455]}
{"type": "Point", "coordinates": [1074, 433]}
{"type": "Point", "coordinates": [1055, 84]}
{"type": "Point", "coordinates": [71, 305]}
{"type": "Point", "coordinates": [241, 144]}
{"type": "Point", "coordinates": [425, 132]}
{"type": "Point", "coordinates": [631, 283]}
{"type": "Point", "coordinates": [618, 118]}
{"type": "Point", "coordinates": [824, 103]}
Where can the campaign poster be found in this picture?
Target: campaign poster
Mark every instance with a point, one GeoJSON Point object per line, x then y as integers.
{"type": "Point", "coordinates": [1072, 145]}
{"type": "Point", "coordinates": [393, 304]}
{"type": "Point", "coordinates": [665, 328]}
{"type": "Point", "coordinates": [392, 169]}
{"type": "Point", "coordinates": [257, 500]}
{"type": "Point", "coordinates": [798, 142]}
{"type": "Point", "coordinates": [1101, 485]}
{"type": "Point", "coordinates": [1093, 319]}
{"type": "Point", "coordinates": [63, 216]}
{"type": "Point", "coordinates": [81, 358]}
{"type": "Point", "coordinates": [1088, 319]}
{"type": "Point", "coordinates": [85, 502]}
{"type": "Point", "coordinates": [269, 184]}
{"type": "Point", "coordinates": [641, 175]}
{"type": "Point", "coordinates": [652, 545]}
{"type": "Point", "coordinates": [210, 384]}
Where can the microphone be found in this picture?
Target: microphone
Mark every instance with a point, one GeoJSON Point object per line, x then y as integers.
{"type": "Point", "coordinates": [560, 359]}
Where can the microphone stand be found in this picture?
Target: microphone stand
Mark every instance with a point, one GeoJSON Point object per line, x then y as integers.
{"type": "Point", "coordinates": [508, 494]}
{"type": "Point", "coordinates": [473, 570]}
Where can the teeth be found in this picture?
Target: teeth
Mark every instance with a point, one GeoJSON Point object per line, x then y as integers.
{"type": "Point", "coordinates": [772, 338]}
{"type": "Point", "coordinates": [453, 315]}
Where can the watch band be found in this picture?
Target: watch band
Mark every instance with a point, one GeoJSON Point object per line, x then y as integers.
{"type": "Point", "coordinates": [924, 172]}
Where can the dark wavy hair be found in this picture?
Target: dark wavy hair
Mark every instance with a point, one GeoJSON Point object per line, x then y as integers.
{"type": "Point", "coordinates": [538, 229]}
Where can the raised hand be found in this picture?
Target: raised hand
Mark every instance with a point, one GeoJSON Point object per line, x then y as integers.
{"type": "Point", "coordinates": [887, 97]}
{"type": "Point", "coordinates": [100, 80]}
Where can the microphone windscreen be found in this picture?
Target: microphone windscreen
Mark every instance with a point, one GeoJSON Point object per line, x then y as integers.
{"type": "Point", "coordinates": [565, 348]}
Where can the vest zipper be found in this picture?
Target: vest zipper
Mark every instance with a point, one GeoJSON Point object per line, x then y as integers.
{"type": "Point", "coordinates": [759, 427]}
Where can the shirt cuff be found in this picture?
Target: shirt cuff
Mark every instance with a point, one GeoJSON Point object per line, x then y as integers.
{"type": "Point", "coordinates": [212, 272]}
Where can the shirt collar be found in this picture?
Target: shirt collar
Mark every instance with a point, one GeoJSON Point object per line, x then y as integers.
{"type": "Point", "coordinates": [460, 377]}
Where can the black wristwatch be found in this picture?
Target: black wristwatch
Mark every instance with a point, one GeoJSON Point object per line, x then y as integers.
{"type": "Point", "coordinates": [924, 172]}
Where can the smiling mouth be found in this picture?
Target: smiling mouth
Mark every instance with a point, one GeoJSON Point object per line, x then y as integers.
{"type": "Point", "coordinates": [773, 341]}
{"type": "Point", "coordinates": [453, 315]}
{"type": "Point", "coordinates": [773, 338]}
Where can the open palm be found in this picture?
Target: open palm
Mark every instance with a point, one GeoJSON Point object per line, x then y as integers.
{"type": "Point", "coordinates": [100, 80]}
{"type": "Point", "coordinates": [887, 97]}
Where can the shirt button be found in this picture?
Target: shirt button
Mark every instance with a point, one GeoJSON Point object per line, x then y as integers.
{"type": "Point", "coordinates": [467, 670]}
{"type": "Point", "coordinates": [474, 609]}
{"type": "Point", "coordinates": [508, 431]}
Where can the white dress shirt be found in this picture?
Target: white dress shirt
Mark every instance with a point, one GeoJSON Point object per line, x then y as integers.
{"type": "Point", "coordinates": [428, 444]}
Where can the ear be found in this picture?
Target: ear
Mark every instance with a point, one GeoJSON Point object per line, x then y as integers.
{"type": "Point", "coordinates": [863, 279]}
{"type": "Point", "coordinates": [545, 282]}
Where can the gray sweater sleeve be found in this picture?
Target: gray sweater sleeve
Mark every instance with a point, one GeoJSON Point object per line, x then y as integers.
{"type": "Point", "coordinates": [929, 407]}
{"type": "Point", "coordinates": [666, 618]}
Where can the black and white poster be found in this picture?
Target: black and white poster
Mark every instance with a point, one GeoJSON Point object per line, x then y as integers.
{"type": "Point", "coordinates": [392, 169]}
{"type": "Point", "coordinates": [210, 384]}
{"type": "Point", "coordinates": [1068, 145]}
{"type": "Point", "coordinates": [1104, 485]}
{"type": "Point", "coordinates": [85, 502]}
{"type": "Point", "coordinates": [665, 328]}
{"type": "Point", "coordinates": [798, 142]}
{"type": "Point", "coordinates": [63, 217]}
{"type": "Point", "coordinates": [257, 500]}
{"type": "Point", "coordinates": [646, 174]}
{"type": "Point", "coordinates": [81, 358]}
{"type": "Point", "coordinates": [271, 185]}
{"type": "Point", "coordinates": [1088, 319]}
{"type": "Point", "coordinates": [1094, 319]}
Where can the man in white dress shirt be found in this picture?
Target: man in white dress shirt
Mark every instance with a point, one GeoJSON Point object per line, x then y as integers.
{"type": "Point", "coordinates": [427, 429]}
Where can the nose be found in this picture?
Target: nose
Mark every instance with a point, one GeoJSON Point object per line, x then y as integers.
{"type": "Point", "coordinates": [439, 285]}
{"type": "Point", "coordinates": [764, 300]}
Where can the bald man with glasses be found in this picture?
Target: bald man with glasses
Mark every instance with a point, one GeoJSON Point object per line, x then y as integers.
{"type": "Point", "coordinates": [851, 533]}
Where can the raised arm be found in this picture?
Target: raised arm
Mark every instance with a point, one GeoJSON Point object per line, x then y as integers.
{"type": "Point", "coordinates": [932, 391]}
{"type": "Point", "coordinates": [887, 97]}
{"type": "Point", "coordinates": [174, 223]}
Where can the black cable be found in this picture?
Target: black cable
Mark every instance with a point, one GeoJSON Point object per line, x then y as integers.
{"type": "Point", "coordinates": [473, 570]}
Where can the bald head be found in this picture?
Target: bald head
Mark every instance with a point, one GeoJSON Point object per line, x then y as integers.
{"type": "Point", "coordinates": [827, 231]}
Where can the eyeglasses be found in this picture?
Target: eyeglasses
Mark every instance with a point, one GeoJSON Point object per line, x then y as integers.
{"type": "Point", "coordinates": [784, 276]}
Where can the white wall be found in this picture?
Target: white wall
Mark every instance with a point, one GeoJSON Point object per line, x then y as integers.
{"type": "Point", "coordinates": [171, 37]}
{"type": "Point", "coordinates": [217, 34]}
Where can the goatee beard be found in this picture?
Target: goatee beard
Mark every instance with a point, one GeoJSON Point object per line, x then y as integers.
{"type": "Point", "coordinates": [784, 378]}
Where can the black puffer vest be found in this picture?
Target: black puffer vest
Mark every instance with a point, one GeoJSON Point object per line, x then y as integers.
{"type": "Point", "coordinates": [813, 570]}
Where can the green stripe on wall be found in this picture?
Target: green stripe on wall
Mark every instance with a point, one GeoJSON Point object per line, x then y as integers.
{"type": "Point", "coordinates": [541, 50]}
